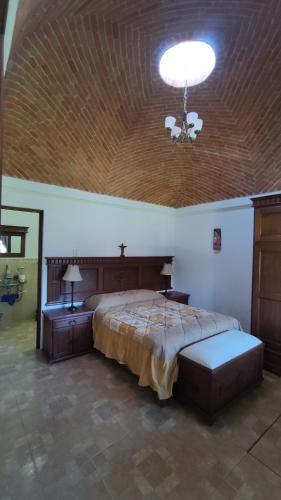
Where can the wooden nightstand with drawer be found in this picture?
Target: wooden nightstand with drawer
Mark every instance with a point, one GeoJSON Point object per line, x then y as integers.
{"type": "Point", "coordinates": [181, 297]}
{"type": "Point", "coordinates": [67, 333]}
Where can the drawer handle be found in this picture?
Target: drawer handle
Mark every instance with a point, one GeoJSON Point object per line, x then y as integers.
{"type": "Point", "coordinates": [72, 322]}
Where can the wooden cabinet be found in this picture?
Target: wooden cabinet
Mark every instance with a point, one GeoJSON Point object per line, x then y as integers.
{"type": "Point", "coordinates": [266, 307]}
{"type": "Point", "coordinates": [61, 342]}
{"type": "Point", "coordinates": [181, 297]}
{"type": "Point", "coordinates": [67, 334]}
{"type": "Point", "coordinates": [82, 337]}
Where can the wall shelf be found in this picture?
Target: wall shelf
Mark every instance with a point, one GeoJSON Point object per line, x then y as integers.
{"type": "Point", "coordinates": [10, 286]}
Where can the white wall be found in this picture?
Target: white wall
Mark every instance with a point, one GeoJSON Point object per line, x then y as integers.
{"type": "Point", "coordinates": [9, 30]}
{"type": "Point", "coordinates": [90, 224]}
{"type": "Point", "coordinates": [87, 224]}
{"type": "Point", "coordinates": [220, 281]}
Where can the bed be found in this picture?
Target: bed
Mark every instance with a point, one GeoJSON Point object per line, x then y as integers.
{"type": "Point", "coordinates": [145, 331]}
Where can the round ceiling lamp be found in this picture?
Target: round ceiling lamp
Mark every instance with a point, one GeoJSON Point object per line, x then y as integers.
{"type": "Point", "coordinates": [187, 64]}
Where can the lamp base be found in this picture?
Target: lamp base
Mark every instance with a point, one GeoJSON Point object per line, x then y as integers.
{"type": "Point", "coordinates": [72, 308]}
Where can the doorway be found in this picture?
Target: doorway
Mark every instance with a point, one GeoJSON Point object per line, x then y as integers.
{"type": "Point", "coordinates": [21, 273]}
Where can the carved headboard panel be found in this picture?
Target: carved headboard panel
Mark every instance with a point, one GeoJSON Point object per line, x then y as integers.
{"type": "Point", "coordinates": [105, 274]}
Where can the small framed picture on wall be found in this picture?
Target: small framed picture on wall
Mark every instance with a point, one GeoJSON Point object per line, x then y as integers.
{"type": "Point", "coordinates": [217, 239]}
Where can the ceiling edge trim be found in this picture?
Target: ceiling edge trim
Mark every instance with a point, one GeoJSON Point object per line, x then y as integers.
{"type": "Point", "coordinates": [244, 202]}
{"type": "Point", "coordinates": [77, 195]}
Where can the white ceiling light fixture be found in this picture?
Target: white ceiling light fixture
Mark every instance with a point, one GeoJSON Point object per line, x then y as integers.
{"type": "Point", "coordinates": [185, 65]}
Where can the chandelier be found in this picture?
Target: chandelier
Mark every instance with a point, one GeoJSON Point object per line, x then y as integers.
{"type": "Point", "coordinates": [191, 124]}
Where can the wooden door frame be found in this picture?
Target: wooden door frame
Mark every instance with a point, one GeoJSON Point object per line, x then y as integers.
{"type": "Point", "coordinates": [40, 263]}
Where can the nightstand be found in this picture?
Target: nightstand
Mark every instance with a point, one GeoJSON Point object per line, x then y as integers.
{"type": "Point", "coordinates": [181, 297]}
{"type": "Point", "coordinates": [67, 333]}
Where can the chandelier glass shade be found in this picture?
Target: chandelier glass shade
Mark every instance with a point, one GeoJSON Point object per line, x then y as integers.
{"type": "Point", "coordinates": [191, 124]}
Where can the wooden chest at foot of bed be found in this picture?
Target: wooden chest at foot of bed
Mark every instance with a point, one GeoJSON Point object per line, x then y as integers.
{"type": "Point", "coordinates": [216, 371]}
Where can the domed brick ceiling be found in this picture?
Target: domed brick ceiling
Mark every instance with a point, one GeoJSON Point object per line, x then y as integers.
{"type": "Point", "coordinates": [85, 105]}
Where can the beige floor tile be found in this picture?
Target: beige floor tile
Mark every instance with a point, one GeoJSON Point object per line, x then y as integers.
{"type": "Point", "coordinates": [252, 480]}
{"type": "Point", "coordinates": [83, 429]}
{"type": "Point", "coordinates": [268, 449]}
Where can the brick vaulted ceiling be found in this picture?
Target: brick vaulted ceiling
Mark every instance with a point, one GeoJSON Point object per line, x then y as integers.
{"type": "Point", "coordinates": [85, 105]}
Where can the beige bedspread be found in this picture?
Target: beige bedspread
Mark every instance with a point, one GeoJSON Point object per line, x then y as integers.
{"type": "Point", "coordinates": [147, 336]}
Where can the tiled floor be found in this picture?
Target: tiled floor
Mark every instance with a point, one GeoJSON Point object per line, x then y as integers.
{"type": "Point", "coordinates": [83, 429]}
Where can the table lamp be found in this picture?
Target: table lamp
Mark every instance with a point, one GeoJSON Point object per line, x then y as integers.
{"type": "Point", "coordinates": [167, 270]}
{"type": "Point", "coordinates": [72, 274]}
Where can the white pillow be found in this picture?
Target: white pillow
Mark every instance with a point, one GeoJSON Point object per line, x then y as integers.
{"type": "Point", "coordinates": [121, 298]}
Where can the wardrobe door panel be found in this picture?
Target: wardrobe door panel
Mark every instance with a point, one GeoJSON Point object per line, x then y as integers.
{"type": "Point", "coordinates": [268, 224]}
{"type": "Point", "coordinates": [269, 324]}
{"type": "Point", "coordinates": [270, 271]}
{"type": "Point", "coordinates": [266, 306]}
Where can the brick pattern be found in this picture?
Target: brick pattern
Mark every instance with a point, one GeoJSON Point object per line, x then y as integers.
{"type": "Point", "coordinates": [85, 105]}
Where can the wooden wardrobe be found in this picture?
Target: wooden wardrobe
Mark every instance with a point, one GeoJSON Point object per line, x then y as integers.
{"type": "Point", "coordinates": [266, 304]}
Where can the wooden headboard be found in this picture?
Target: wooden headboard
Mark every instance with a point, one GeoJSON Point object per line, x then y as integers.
{"type": "Point", "coordinates": [105, 274]}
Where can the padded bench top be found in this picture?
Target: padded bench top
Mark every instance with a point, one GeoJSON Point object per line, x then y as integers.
{"type": "Point", "coordinates": [217, 350]}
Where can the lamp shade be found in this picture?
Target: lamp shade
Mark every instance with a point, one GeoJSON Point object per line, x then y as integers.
{"type": "Point", "coordinates": [167, 270]}
{"type": "Point", "coordinates": [72, 273]}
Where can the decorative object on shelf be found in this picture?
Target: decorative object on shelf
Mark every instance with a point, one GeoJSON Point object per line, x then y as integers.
{"type": "Point", "coordinates": [217, 240]}
{"type": "Point", "coordinates": [191, 124]}
{"type": "Point", "coordinates": [8, 274]}
{"type": "Point", "coordinates": [167, 270]}
{"type": "Point", "coordinates": [72, 275]}
{"type": "Point", "coordinates": [21, 275]}
{"type": "Point", "coordinates": [122, 248]}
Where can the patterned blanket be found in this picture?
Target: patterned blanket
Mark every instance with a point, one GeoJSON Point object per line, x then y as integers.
{"type": "Point", "coordinates": [147, 337]}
